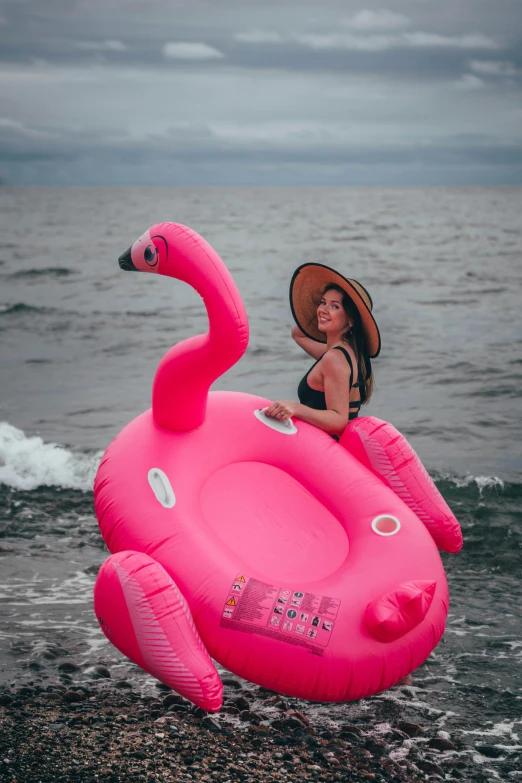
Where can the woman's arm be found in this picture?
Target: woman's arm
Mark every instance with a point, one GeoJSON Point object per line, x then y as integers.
{"type": "Point", "coordinates": [336, 378]}
{"type": "Point", "coordinates": [312, 347]}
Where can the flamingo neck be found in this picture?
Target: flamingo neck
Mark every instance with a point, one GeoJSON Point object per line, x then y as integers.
{"type": "Point", "coordinates": [187, 371]}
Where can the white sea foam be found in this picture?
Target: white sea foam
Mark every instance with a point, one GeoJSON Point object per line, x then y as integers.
{"type": "Point", "coordinates": [482, 482]}
{"type": "Point", "coordinates": [27, 462]}
{"type": "Point", "coordinates": [501, 730]}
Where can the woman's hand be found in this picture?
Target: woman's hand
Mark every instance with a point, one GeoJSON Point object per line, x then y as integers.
{"type": "Point", "coordinates": [282, 409]}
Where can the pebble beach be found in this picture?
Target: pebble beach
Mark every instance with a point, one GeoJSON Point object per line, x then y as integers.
{"type": "Point", "coordinates": [103, 732]}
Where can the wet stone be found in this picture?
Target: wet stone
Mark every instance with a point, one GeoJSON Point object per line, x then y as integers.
{"type": "Point", "coordinates": [172, 698]}
{"type": "Point", "coordinates": [376, 748]}
{"type": "Point", "coordinates": [294, 723]}
{"type": "Point", "coordinates": [351, 728]}
{"type": "Point", "coordinates": [230, 710]}
{"type": "Point", "coordinates": [73, 696]}
{"type": "Point", "coordinates": [431, 768]}
{"type": "Point", "coordinates": [299, 716]}
{"type": "Point", "coordinates": [99, 672]}
{"type": "Point", "coordinates": [68, 667]}
{"type": "Point", "coordinates": [240, 702]}
{"type": "Point", "coordinates": [52, 652]}
{"type": "Point", "coordinates": [408, 680]}
{"type": "Point", "coordinates": [349, 736]}
{"type": "Point", "coordinates": [231, 682]}
{"type": "Point", "coordinates": [25, 691]}
{"type": "Point", "coordinates": [122, 684]}
{"type": "Point", "coordinates": [137, 754]}
{"type": "Point", "coordinates": [53, 696]}
{"type": "Point", "coordinates": [441, 743]}
{"type": "Point", "coordinates": [491, 751]}
{"type": "Point", "coordinates": [266, 693]}
{"type": "Point", "coordinates": [211, 723]}
{"type": "Point", "coordinates": [411, 729]}
{"type": "Point", "coordinates": [395, 734]}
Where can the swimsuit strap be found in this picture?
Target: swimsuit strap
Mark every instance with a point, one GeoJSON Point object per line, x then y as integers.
{"type": "Point", "coordinates": [361, 385]}
{"type": "Point", "coordinates": [348, 359]}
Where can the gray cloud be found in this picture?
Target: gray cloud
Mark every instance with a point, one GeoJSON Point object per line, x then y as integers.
{"type": "Point", "coordinates": [376, 20]}
{"type": "Point", "coordinates": [493, 67]}
{"type": "Point", "coordinates": [101, 46]}
{"type": "Point", "coordinates": [372, 43]}
{"type": "Point", "coordinates": [272, 91]}
{"type": "Point", "coordinates": [191, 51]}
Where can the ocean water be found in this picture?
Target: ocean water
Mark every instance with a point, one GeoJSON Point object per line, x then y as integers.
{"type": "Point", "coordinates": [80, 341]}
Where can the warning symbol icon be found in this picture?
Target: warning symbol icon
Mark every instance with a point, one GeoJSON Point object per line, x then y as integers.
{"type": "Point", "coordinates": [240, 579]}
{"type": "Point", "coordinates": [231, 601]}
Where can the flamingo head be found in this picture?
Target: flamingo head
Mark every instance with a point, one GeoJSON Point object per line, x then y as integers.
{"type": "Point", "coordinates": [149, 253]}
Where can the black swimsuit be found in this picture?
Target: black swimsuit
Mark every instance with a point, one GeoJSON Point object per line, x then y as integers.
{"type": "Point", "coordinates": [317, 399]}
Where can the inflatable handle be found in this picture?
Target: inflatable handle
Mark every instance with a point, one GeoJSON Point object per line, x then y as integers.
{"type": "Point", "coordinates": [284, 427]}
{"type": "Point", "coordinates": [144, 614]}
{"type": "Point", "coordinates": [387, 453]}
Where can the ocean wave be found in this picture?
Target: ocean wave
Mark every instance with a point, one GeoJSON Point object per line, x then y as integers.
{"type": "Point", "coordinates": [464, 482]}
{"type": "Point", "coordinates": [51, 271]}
{"type": "Point", "coordinates": [27, 462]}
{"type": "Point", "coordinates": [21, 307]}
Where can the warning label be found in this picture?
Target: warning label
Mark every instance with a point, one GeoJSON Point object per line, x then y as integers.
{"type": "Point", "coordinates": [292, 616]}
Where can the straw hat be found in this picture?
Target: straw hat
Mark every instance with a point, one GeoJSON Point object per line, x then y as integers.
{"type": "Point", "coordinates": [306, 288]}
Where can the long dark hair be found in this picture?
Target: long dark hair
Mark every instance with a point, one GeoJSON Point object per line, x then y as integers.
{"type": "Point", "coordinates": [356, 338]}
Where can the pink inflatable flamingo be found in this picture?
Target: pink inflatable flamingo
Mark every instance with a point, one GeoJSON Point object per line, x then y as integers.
{"type": "Point", "coordinates": [305, 565]}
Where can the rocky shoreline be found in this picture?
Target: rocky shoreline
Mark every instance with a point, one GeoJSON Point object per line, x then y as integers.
{"type": "Point", "coordinates": [107, 732]}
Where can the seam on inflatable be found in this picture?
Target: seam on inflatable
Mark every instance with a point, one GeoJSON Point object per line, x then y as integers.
{"type": "Point", "coordinates": [188, 615]}
{"type": "Point", "coordinates": [152, 641]}
{"type": "Point", "coordinates": [377, 424]}
{"type": "Point", "coordinates": [159, 642]}
{"type": "Point", "coordinates": [382, 463]}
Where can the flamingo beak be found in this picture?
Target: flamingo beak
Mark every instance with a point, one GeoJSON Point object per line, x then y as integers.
{"type": "Point", "coordinates": [125, 261]}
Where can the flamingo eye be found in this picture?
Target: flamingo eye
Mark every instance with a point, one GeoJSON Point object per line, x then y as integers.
{"type": "Point", "coordinates": [150, 255]}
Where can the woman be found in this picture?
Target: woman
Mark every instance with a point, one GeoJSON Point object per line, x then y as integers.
{"type": "Point", "coordinates": [335, 326]}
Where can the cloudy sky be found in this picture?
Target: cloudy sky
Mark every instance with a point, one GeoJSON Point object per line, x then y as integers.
{"type": "Point", "coordinates": [260, 92]}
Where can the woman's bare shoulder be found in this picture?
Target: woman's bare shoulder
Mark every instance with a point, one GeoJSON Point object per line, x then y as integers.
{"type": "Point", "coordinates": [334, 362]}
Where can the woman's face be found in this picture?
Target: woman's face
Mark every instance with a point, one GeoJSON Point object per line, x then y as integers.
{"type": "Point", "coordinates": [331, 315]}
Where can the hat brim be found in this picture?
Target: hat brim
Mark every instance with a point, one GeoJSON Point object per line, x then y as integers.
{"type": "Point", "coordinates": [307, 284]}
